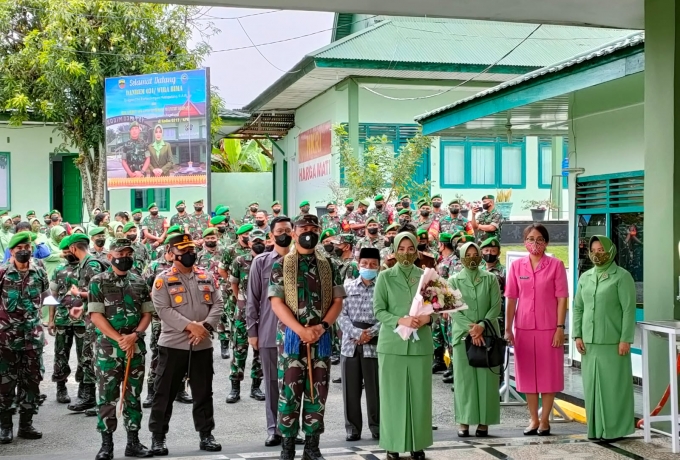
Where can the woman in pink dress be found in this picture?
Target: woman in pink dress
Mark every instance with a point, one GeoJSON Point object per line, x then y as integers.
{"type": "Point", "coordinates": [536, 293]}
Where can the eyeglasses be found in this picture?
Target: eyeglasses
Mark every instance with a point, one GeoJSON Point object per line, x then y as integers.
{"type": "Point", "coordinates": [281, 231]}
{"type": "Point", "coordinates": [535, 240]}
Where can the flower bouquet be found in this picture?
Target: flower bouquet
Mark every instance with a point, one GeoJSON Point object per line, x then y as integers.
{"type": "Point", "coordinates": [434, 295]}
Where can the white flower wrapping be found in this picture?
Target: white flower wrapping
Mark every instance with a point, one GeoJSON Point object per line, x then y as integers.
{"type": "Point", "coordinates": [435, 287]}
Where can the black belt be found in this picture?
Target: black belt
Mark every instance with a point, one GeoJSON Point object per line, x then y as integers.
{"type": "Point", "coordinates": [360, 325]}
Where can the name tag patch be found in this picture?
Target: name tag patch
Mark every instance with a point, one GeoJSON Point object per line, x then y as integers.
{"type": "Point", "coordinates": [524, 277]}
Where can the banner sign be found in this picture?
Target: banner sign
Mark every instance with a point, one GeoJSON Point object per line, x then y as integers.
{"type": "Point", "coordinates": [157, 130]}
{"type": "Point", "coordinates": [314, 153]}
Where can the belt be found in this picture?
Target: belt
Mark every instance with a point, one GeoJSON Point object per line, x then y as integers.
{"type": "Point", "coordinates": [127, 330]}
{"type": "Point", "coordinates": [360, 325]}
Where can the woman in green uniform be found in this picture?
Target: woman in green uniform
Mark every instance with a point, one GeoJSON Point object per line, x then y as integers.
{"type": "Point", "coordinates": [475, 401]}
{"type": "Point", "coordinates": [604, 328]}
{"type": "Point", "coordinates": [160, 153]}
{"type": "Point", "coordinates": [404, 366]}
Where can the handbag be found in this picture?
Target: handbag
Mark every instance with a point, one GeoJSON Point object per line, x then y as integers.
{"type": "Point", "coordinates": [492, 353]}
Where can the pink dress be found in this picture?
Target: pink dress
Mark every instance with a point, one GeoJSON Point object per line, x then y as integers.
{"type": "Point", "coordinates": [539, 368]}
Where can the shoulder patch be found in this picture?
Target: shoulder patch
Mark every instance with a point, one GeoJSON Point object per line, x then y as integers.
{"type": "Point", "coordinates": [159, 283]}
{"type": "Point", "coordinates": [173, 279]}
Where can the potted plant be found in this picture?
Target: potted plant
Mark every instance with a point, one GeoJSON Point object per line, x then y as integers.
{"type": "Point", "coordinates": [538, 208]}
{"type": "Point", "coordinates": [464, 205]}
{"type": "Point", "coordinates": [503, 203]}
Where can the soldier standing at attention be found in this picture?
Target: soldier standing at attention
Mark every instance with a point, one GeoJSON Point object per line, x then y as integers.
{"type": "Point", "coordinates": [331, 220]}
{"type": "Point", "coordinates": [304, 208]}
{"type": "Point", "coordinates": [372, 239]}
{"type": "Point", "coordinates": [357, 220]}
{"type": "Point", "coordinates": [183, 219]}
{"type": "Point", "coordinates": [381, 213]}
{"type": "Point", "coordinates": [306, 295]}
{"type": "Point", "coordinates": [209, 259]}
{"type": "Point", "coordinates": [140, 255]}
{"type": "Point", "coordinates": [249, 217]}
{"type": "Point", "coordinates": [454, 222]}
{"type": "Point", "coordinates": [201, 219]}
{"type": "Point", "coordinates": [119, 305]}
{"type": "Point", "coordinates": [425, 219]}
{"type": "Point", "coordinates": [136, 158]}
{"type": "Point", "coordinates": [238, 277]}
{"type": "Point", "coordinates": [98, 238]}
{"type": "Point", "coordinates": [189, 305]}
{"type": "Point", "coordinates": [276, 210]}
{"type": "Point", "coordinates": [24, 286]}
{"type": "Point", "coordinates": [489, 222]}
{"type": "Point", "coordinates": [229, 223]}
{"type": "Point", "coordinates": [153, 228]}
{"type": "Point", "coordinates": [437, 212]}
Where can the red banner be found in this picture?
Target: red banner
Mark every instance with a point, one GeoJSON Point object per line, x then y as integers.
{"type": "Point", "coordinates": [314, 143]}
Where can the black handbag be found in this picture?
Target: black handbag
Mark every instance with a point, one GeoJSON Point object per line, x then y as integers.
{"type": "Point", "coordinates": [492, 353]}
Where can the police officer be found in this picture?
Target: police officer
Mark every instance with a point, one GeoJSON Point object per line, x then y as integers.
{"type": "Point", "coordinates": [119, 305]}
{"type": "Point", "coordinates": [189, 305]}
{"type": "Point", "coordinates": [136, 157]}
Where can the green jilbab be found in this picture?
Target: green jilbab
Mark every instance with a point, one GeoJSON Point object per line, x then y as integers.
{"type": "Point", "coordinates": [54, 259]}
{"type": "Point", "coordinates": [475, 401]}
{"type": "Point", "coordinates": [404, 366]}
{"type": "Point", "coordinates": [604, 316]}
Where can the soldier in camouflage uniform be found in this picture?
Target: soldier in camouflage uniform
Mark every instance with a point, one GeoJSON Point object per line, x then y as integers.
{"type": "Point", "coordinates": [382, 214]}
{"type": "Point", "coordinates": [405, 216]}
{"type": "Point", "coordinates": [140, 255]}
{"type": "Point", "coordinates": [276, 211]}
{"type": "Point", "coordinates": [183, 219]}
{"type": "Point", "coordinates": [491, 252]}
{"type": "Point", "coordinates": [229, 235]}
{"type": "Point", "coordinates": [153, 229]}
{"type": "Point", "coordinates": [373, 239]}
{"type": "Point", "coordinates": [119, 305]}
{"type": "Point", "coordinates": [201, 218]}
{"type": "Point", "coordinates": [349, 210]}
{"type": "Point", "coordinates": [306, 292]}
{"type": "Point", "coordinates": [348, 269]}
{"type": "Point", "coordinates": [249, 217]}
{"type": "Point", "coordinates": [24, 286]}
{"type": "Point", "coordinates": [437, 211]}
{"type": "Point", "coordinates": [331, 220]}
{"type": "Point", "coordinates": [209, 260]}
{"type": "Point", "coordinates": [454, 222]}
{"type": "Point", "coordinates": [425, 220]}
{"type": "Point", "coordinates": [387, 253]}
{"type": "Point", "coordinates": [65, 328]}
{"type": "Point", "coordinates": [238, 277]}
{"type": "Point", "coordinates": [304, 208]}
{"type": "Point", "coordinates": [136, 157]}
{"type": "Point", "coordinates": [441, 328]}
{"type": "Point", "coordinates": [98, 237]}
{"type": "Point", "coordinates": [489, 222]}
{"type": "Point", "coordinates": [357, 220]}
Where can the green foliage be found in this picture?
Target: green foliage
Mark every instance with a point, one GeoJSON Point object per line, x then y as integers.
{"type": "Point", "coordinates": [378, 170]}
{"type": "Point", "coordinates": [235, 156]}
{"type": "Point", "coordinates": [540, 205]}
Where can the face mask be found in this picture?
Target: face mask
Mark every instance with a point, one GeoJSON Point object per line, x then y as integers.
{"type": "Point", "coordinates": [373, 231]}
{"type": "Point", "coordinates": [258, 248]}
{"type": "Point", "coordinates": [379, 206]}
{"type": "Point", "coordinates": [599, 258]}
{"type": "Point", "coordinates": [259, 223]}
{"type": "Point", "coordinates": [188, 259]}
{"type": "Point", "coordinates": [405, 259]}
{"type": "Point", "coordinates": [100, 242]}
{"type": "Point", "coordinates": [339, 251]}
{"type": "Point", "coordinates": [437, 205]}
{"type": "Point", "coordinates": [48, 221]}
{"type": "Point", "coordinates": [132, 237]}
{"type": "Point", "coordinates": [406, 204]}
{"type": "Point", "coordinates": [253, 209]}
{"type": "Point", "coordinates": [490, 258]}
{"type": "Point", "coordinates": [363, 211]}
{"type": "Point", "coordinates": [71, 259]}
{"type": "Point", "coordinates": [424, 213]}
{"type": "Point", "coordinates": [137, 219]}
{"type": "Point", "coordinates": [180, 210]}
{"type": "Point", "coordinates": [328, 248]}
{"type": "Point", "coordinates": [221, 229]}
{"type": "Point", "coordinates": [22, 256]}
{"type": "Point", "coordinates": [269, 248]}
{"type": "Point", "coordinates": [486, 206]}
{"type": "Point", "coordinates": [211, 244]}
{"type": "Point", "coordinates": [454, 211]}
{"type": "Point", "coordinates": [368, 273]}
{"type": "Point", "coordinates": [422, 246]}
{"type": "Point", "coordinates": [308, 240]}
{"type": "Point", "coordinates": [330, 211]}
{"type": "Point", "coordinates": [535, 249]}
{"type": "Point", "coordinates": [305, 210]}
{"type": "Point", "coordinates": [276, 210]}
{"type": "Point", "coordinates": [54, 219]}
{"type": "Point", "coordinates": [198, 208]}
{"type": "Point", "coordinates": [350, 208]}
{"type": "Point", "coordinates": [390, 239]}
{"type": "Point", "coordinates": [471, 263]}
{"type": "Point", "coordinates": [283, 241]}
{"type": "Point", "coordinates": [245, 240]}
{"type": "Point", "coordinates": [123, 263]}
{"type": "Point", "coordinates": [154, 213]}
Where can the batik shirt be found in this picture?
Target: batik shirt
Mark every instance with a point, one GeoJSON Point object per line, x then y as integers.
{"type": "Point", "coordinates": [488, 218]}
{"type": "Point", "coordinates": [454, 225]}
{"type": "Point", "coordinates": [358, 308]}
{"type": "Point", "coordinates": [60, 285]}
{"type": "Point", "coordinates": [446, 265]}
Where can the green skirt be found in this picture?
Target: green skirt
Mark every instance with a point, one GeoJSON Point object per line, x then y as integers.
{"type": "Point", "coordinates": [608, 388]}
{"type": "Point", "coordinates": [476, 399]}
{"type": "Point", "coordinates": [405, 402]}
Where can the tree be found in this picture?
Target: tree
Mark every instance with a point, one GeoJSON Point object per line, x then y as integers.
{"type": "Point", "coordinates": [55, 55]}
{"type": "Point", "coordinates": [234, 156]}
{"type": "Point", "coordinates": [379, 170]}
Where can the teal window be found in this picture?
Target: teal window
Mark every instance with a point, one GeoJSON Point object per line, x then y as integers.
{"type": "Point", "coordinates": [545, 165]}
{"type": "Point", "coordinates": [5, 200]}
{"type": "Point", "coordinates": [481, 163]}
{"type": "Point", "coordinates": [141, 198]}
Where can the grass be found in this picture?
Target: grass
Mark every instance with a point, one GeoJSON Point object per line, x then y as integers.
{"type": "Point", "coordinates": [561, 252]}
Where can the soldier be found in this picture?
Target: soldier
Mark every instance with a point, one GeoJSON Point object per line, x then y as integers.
{"type": "Point", "coordinates": [98, 238]}
{"type": "Point", "coordinates": [276, 210]}
{"type": "Point", "coordinates": [306, 293]}
{"type": "Point", "coordinates": [260, 222]}
{"type": "Point", "coordinates": [249, 217]}
{"type": "Point", "coordinates": [140, 255]}
{"type": "Point", "coordinates": [65, 328]}
{"type": "Point", "coordinates": [238, 277]}
{"type": "Point", "coordinates": [328, 242]}
{"type": "Point", "coordinates": [137, 219]}
{"type": "Point", "coordinates": [387, 253]}
{"type": "Point", "coordinates": [489, 222]}
{"type": "Point", "coordinates": [455, 222]}
{"type": "Point", "coordinates": [230, 224]}
{"type": "Point", "coordinates": [209, 260]}
{"type": "Point", "coordinates": [491, 252]}
{"type": "Point", "coordinates": [218, 223]}
{"type": "Point", "coordinates": [459, 242]}
{"type": "Point", "coordinates": [189, 305]}
{"type": "Point", "coordinates": [304, 208]}
{"type": "Point", "coordinates": [426, 256]}
{"type": "Point", "coordinates": [404, 216]}
{"type": "Point", "coordinates": [447, 256]}
{"type": "Point", "coordinates": [425, 220]}
{"type": "Point", "coordinates": [357, 220]}
{"type": "Point", "coordinates": [437, 212]}
{"type": "Point", "coordinates": [153, 228]}
{"type": "Point", "coordinates": [119, 305]}
{"type": "Point", "coordinates": [136, 157]}
{"type": "Point", "coordinates": [24, 286]}
{"type": "Point", "coordinates": [405, 201]}
{"type": "Point", "coordinates": [373, 239]}
{"type": "Point", "coordinates": [183, 218]}
{"type": "Point", "coordinates": [382, 214]}
{"type": "Point", "coordinates": [201, 219]}
{"type": "Point", "coordinates": [45, 228]}
{"type": "Point", "coordinates": [331, 220]}
{"type": "Point", "coordinates": [441, 327]}
{"type": "Point", "coordinates": [30, 215]}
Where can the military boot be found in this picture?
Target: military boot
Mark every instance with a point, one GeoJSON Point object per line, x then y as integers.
{"type": "Point", "coordinates": [182, 395]}
{"type": "Point", "coordinates": [148, 402]}
{"type": "Point", "coordinates": [311, 450]}
{"type": "Point", "coordinates": [87, 401]}
{"type": "Point", "coordinates": [255, 391]}
{"type": "Point", "coordinates": [158, 445]}
{"type": "Point", "coordinates": [235, 393]}
{"type": "Point", "coordinates": [438, 364]}
{"type": "Point", "coordinates": [6, 428]}
{"type": "Point", "coordinates": [62, 393]}
{"type": "Point", "coordinates": [287, 449]}
{"type": "Point", "coordinates": [134, 448]}
{"type": "Point", "coordinates": [224, 348]}
{"type": "Point", "coordinates": [106, 451]}
{"type": "Point", "coordinates": [91, 412]}
{"type": "Point", "coordinates": [208, 442]}
{"type": "Point", "coordinates": [26, 429]}
{"type": "Point", "coordinates": [81, 386]}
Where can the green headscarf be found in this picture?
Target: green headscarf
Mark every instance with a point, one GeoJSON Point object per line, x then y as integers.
{"type": "Point", "coordinates": [403, 265]}
{"type": "Point", "coordinates": [157, 145]}
{"type": "Point", "coordinates": [609, 249]}
{"type": "Point", "coordinates": [468, 273]}
{"type": "Point", "coordinates": [54, 234]}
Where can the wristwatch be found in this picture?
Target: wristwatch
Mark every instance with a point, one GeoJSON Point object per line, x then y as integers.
{"type": "Point", "coordinates": [560, 326]}
{"type": "Point", "coordinates": [325, 325]}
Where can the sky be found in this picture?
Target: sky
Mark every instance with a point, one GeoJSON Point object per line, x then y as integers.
{"type": "Point", "coordinates": [242, 75]}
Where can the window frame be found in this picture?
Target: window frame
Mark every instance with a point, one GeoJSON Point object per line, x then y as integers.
{"type": "Point", "coordinates": [9, 180]}
{"type": "Point", "coordinates": [565, 154]}
{"type": "Point", "coordinates": [149, 196]}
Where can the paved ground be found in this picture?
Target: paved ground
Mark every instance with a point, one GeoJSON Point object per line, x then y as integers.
{"type": "Point", "coordinates": [241, 430]}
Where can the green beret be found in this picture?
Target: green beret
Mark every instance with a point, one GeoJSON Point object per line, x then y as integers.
{"type": "Point", "coordinates": [54, 211]}
{"type": "Point", "coordinates": [348, 201]}
{"type": "Point", "coordinates": [77, 238]}
{"type": "Point", "coordinates": [488, 197]}
{"type": "Point", "coordinates": [128, 226]}
{"type": "Point", "coordinates": [180, 202]}
{"type": "Point", "coordinates": [47, 214]}
{"type": "Point", "coordinates": [258, 235]}
{"type": "Point", "coordinates": [394, 226]}
{"type": "Point", "coordinates": [454, 201]}
{"type": "Point", "coordinates": [65, 243]}
{"type": "Point", "coordinates": [405, 211]}
{"type": "Point", "coordinates": [378, 198]}
{"type": "Point", "coordinates": [221, 210]}
{"type": "Point", "coordinates": [490, 242]}
{"type": "Point", "coordinates": [97, 231]}
{"type": "Point", "coordinates": [137, 211]}
{"type": "Point", "coordinates": [210, 231]}
{"type": "Point", "coordinates": [423, 202]}
{"type": "Point", "coordinates": [330, 203]}
{"type": "Point", "coordinates": [245, 228]}
{"type": "Point", "coordinates": [304, 203]}
{"type": "Point", "coordinates": [275, 203]}
{"type": "Point", "coordinates": [120, 244]}
{"type": "Point", "coordinates": [175, 229]}
{"type": "Point", "coordinates": [253, 202]}
{"type": "Point", "coordinates": [199, 201]}
{"type": "Point", "coordinates": [404, 196]}
{"type": "Point", "coordinates": [217, 220]}
{"type": "Point", "coordinates": [16, 215]}
{"type": "Point", "coordinates": [466, 239]}
{"type": "Point", "coordinates": [365, 202]}
{"type": "Point", "coordinates": [30, 212]}
{"type": "Point", "coordinates": [327, 233]}
{"type": "Point", "coordinates": [445, 237]}
{"type": "Point", "coordinates": [421, 232]}
{"type": "Point", "coordinates": [437, 196]}
{"type": "Point", "coordinates": [347, 238]}
{"type": "Point", "coordinates": [152, 205]}
{"type": "Point", "coordinates": [371, 220]}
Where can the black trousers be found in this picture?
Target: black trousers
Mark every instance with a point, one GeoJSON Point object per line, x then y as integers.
{"type": "Point", "coordinates": [172, 367]}
{"type": "Point", "coordinates": [356, 371]}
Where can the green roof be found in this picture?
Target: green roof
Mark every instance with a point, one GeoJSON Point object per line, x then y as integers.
{"type": "Point", "coordinates": [342, 26]}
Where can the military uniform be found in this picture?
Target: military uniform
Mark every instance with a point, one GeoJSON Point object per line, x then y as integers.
{"type": "Point", "coordinates": [135, 153]}
{"type": "Point", "coordinates": [185, 221]}
{"type": "Point", "coordinates": [488, 218]}
{"type": "Point", "coordinates": [155, 226]}
{"type": "Point", "coordinates": [452, 225]}
{"type": "Point", "coordinates": [331, 222]}
{"type": "Point", "coordinates": [377, 242]}
{"type": "Point", "coordinates": [202, 221]}
{"type": "Point", "coordinates": [248, 218]}
{"type": "Point", "coordinates": [140, 258]}
{"type": "Point", "coordinates": [357, 218]}
{"type": "Point", "coordinates": [149, 275]}
{"type": "Point", "coordinates": [382, 216]}
{"type": "Point", "coordinates": [227, 320]}
{"type": "Point", "coordinates": [99, 255]}
{"type": "Point", "coordinates": [424, 223]}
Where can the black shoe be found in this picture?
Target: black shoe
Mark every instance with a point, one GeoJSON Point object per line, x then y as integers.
{"type": "Point", "coordinates": [418, 455]}
{"type": "Point", "coordinates": [337, 380]}
{"type": "Point", "coordinates": [531, 431]}
{"type": "Point", "coordinates": [351, 437]}
{"type": "Point", "coordinates": [208, 442]}
{"type": "Point", "coordinates": [148, 402]}
{"type": "Point", "coordinates": [158, 445]}
{"type": "Point", "coordinates": [81, 386]}
{"type": "Point", "coordinates": [255, 391]}
{"type": "Point", "coordinates": [273, 440]}
{"type": "Point", "coordinates": [447, 378]}
{"type": "Point", "coordinates": [6, 428]}
{"type": "Point", "coordinates": [106, 451]}
{"type": "Point", "coordinates": [312, 451]}
{"type": "Point", "coordinates": [62, 393]}
{"type": "Point", "coordinates": [87, 401]}
{"type": "Point", "coordinates": [481, 433]}
{"type": "Point", "coordinates": [26, 430]}
{"type": "Point", "coordinates": [448, 373]}
{"type": "Point", "coordinates": [609, 441]}
{"type": "Point", "coordinates": [463, 433]}
{"type": "Point", "coordinates": [235, 393]}
{"type": "Point", "coordinates": [224, 349]}
{"type": "Point", "coordinates": [41, 399]}
{"type": "Point", "coordinates": [299, 441]}
{"type": "Point", "coordinates": [183, 397]}
{"type": "Point", "coordinates": [438, 364]}
{"type": "Point", "coordinates": [543, 432]}
{"type": "Point", "coordinates": [375, 435]}
{"type": "Point", "coordinates": [393, 456]}
{"type": "Point", "coordinates": [134, 448]}
{"type": "Point", "coordinates": [91, 412]}
{"type": "Point", "coordinates": [287, 449]}
{"type": "Point", "coordinates": [335, 360]}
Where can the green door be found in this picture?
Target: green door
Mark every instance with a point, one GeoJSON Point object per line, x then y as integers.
{"type": "Point", "coordinates": [72, 192]}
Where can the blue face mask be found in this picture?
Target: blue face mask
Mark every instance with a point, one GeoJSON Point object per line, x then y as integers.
{"type": "Point", "coordinates": [368, 273]}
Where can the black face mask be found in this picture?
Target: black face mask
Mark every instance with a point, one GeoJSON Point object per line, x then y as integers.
{"type": "Point", "coordinates": [490, 258]}
{"type": "Point", "coordinates": [210, 244]}
{"type": "Point", "coordinates": [486, 206]}
{"type": "Point", "coordinates": [422, 246]}
{"type": "Point", "coordinates": [259, 223]}
{"type": "Point", "coordinates": [132, 237]}
{"type": "Point", "coordinates": [137, 219]}
{"type": "Point", "coordinates": [424, 213]}
{"type": "Point", "coordinates": [437, 205]}
{"type": "Point", "coordinates": [390, 239]}
{"type": "Point", "coordinates": [22, 256]}
{"type": "Point", "coordinates": [188, 259]}
{"type": "Point", "coordinates": [330, 211]}
{"type": "Point", "coordinates": [363, 211]}
{"type": "Point", "coordinates": [339, 252]}
{"type": "Point", "coordinates": [373, 231]}
{"type": "Point", "coordinates": [154, 213]}
{"type": "Point", "coordinates": [253, 209]}
{"type": "Point", "coordinates": [48, 221]}
{"type": "Point", "coordinates": [180, 210]}
{"type": "Point", "coordinates": [349, 208]}
{"type": "Point", "coordinates": [123, 264]}
{"type": "Point", "coordinates": [276, 211]}
{"type": "Point", "coordinates": [221, 229]}
{"type": "Point", "coordinates": [283, 241]}
{"type": "Point", "coordinates": [269, 248]}
{"type": "Point", "coordinates": [54, 219]}
{"type": "Point", "coordinates": [406, 204]}
{"type": "Point", "coordinates": [454, 211]}
{"type": "Point", "coordinates": [379, 206]}
{"type": "Point", "coordinates": [71, 259]}
{"type": "Point", "coordinates": [258, 248]}
{"type": "Point", "coordinates": [308, 240]}
{"type": "Point", "coordinates": [198, 208]}
{"type": "Point", "coordinates": [245, 240]}
{"type": "Point", "coordinates": [100, 242]}
{"type": "Point", "coordinates": [328, 248]}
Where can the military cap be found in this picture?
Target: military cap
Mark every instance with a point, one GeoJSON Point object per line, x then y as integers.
{"type": "Point", "coordinates": [307, 219]}
{"type": "Point", "coordinates": [304, 203]}
{"type": "Point", "coordinates": [371, 220]}
{"type": "Point", "coordinates": [30, 213]}
{"type": "Point", "coordinates": [369, 253]}
{"type": "Point", "coordinates": [16, 215]}
{"type": "Point", "coordinates": [209, 231]}
{"type": "Point", "coordinates": [491, 242]}
{"type": "Point", "coordinates": [437, 196]}
{"type": "Point", "coordinates": [19, 238]}
{"type": "Point", "coordinates": [405, 195]}
{"type": "Point", "coordinates": [423, 202]}
{"type": "Point", "coordinates": [180, 241]}
{"type": "Point", "coordinates": [275, 203]}
{"type": "Point", "coordinates": [119, 244]}
{"type": "Point", "coordinates": [47, 214]}
{"type": "Point", "coordinates": [348, 201]}
{"type": "Point", "coordinates": [253, 202]}
{"type": "Point", "coordinates": [175, 229]}
{"type": "Point", "coordinates": [378, 198]}
{"type": "Point", "coordinates": [458, 234]}
{"type": "Point", "coordinates": [65, 243]}
{"type": "Point", "coordinates": [466, 239]}
{"type": "Point", "coordinates": [221, 210]}
{"type": "Point", "coordinates": [258, 235]}
{"type": "Point", "coordinates": [128, 227]}
{"type": "Point", "coordinates": [217, 220]}
{"type": "Point", "coordinates": [347, 238]}
{"type": "Point", "coordinates": [152, 205]}
{"type": "Point", "coordinates": [134, 124]}
{"type": "Point", "coordinates": [179, 202]}
{"type": "Point", "coordinates": [405, 211]}
{"type": "Point", "coordinates": [330, 203]}
{"type": "Point", "coordinates": [488, 197]}
{"type": "Point", "coordinates": [77, 229]}
{"type": "Point", "coordinates": [54, 211]}
{"type": "Point", "coordinates": [365, 202]}
{"type": "Point", "coordinates": [329, 232]}
{"type": "Point", "coordinates": [199, 201]}
{"type": "Point", "coordinates": [245, 228]}
{"type": "Point", "coordinates": [77, 238]}
{"type": "Point", "coordinates": [394, 226]}
{"type": "Point", "coordinates": [137, 211]}
{"type": "Point", "coordinates": [97, 231]}
{"type": "Point", "coordinates": [454, 201]}
{"type": "Point", "coordinates": [445, 237]}
{"type": "Point", "coordinates": [420, 232]}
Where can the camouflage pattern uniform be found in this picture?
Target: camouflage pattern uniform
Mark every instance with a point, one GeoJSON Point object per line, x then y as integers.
{"type": "Point", "coordinates": [437, 215]}
{"type": "Point", "coordinates": [21, 336]}
{"type": "Point", "coordinates": [185, 221]}
{"type": "Point", "coordinates": [377, 242]}
{"type": "Point", "coordinates": [500, 272]}
{"type": "Point", "coordinates": [383, 216]}
{"type": "Point", "coordinates": [229, 237]}
{"type": "Point", "coordinates": [227, 321]}
{"type": "Point", "coordinates": [357, 218]}
{"type": "Point", "coordinates": [441, 329]}
{"type": "Point", "coordinates": [487, 218]}
{"type": "Point", "coordinates": [452, 225]}
{"type": "Point", "coordinates": [122, 301]}
{"type": "Point", "coordinates": [99, 255]}
{"type": "Point", "coordinates": [135, 153]}
{"type": "Point", "coordinates": [248, 218]}
{"type": "Point", "coordinates": [154, 269]}
{"type": "Point", "coordinates": [140, 257]}
{"type": "Point", "coordinates": [238, 273]}
{"type": "Point", "coordinates": [424, 222]}
{"type": "Point", "coordinates": [85, 271]}
{"type": "Point", "coordinates": [202, 221]}
{"type": "Point", "coordinates": [294, 384]}
{"type": "Point", "coordinates": [327, 221]}
{"type": "Point", "coordinates": [153, 225]}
